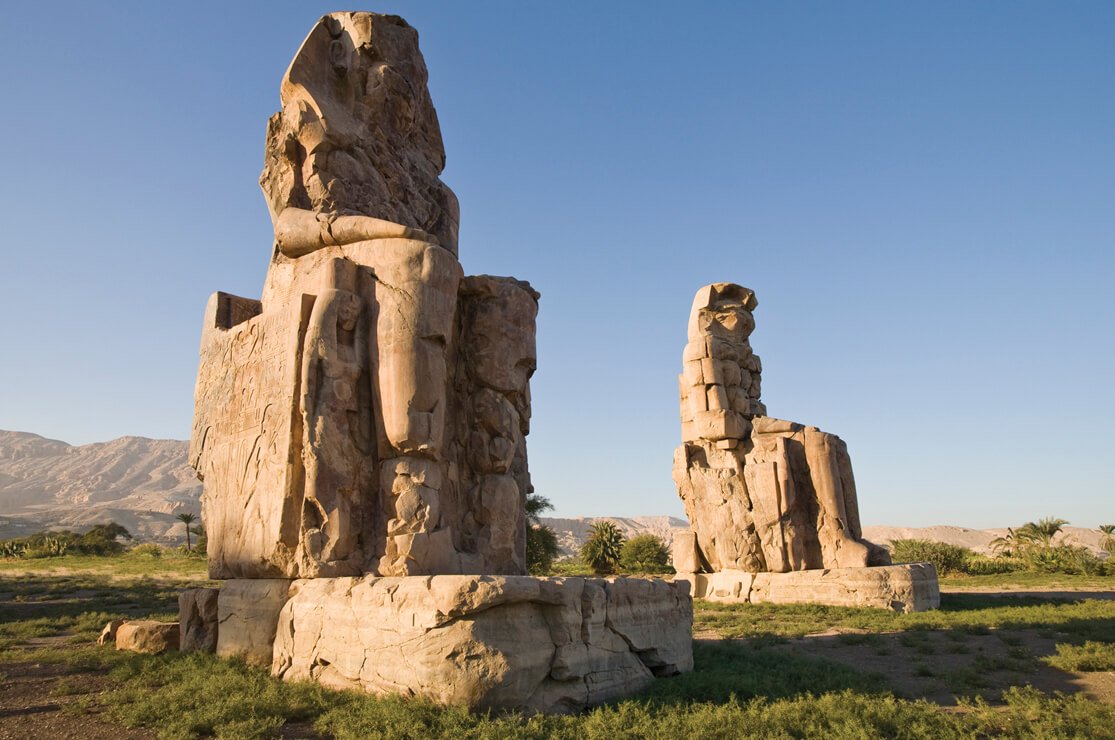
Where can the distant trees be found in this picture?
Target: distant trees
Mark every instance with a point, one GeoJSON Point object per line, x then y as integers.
{"type": "Point", "coordinates": [603, 548]}
{"type": "Point", "coordinates": [645, 553]}
{"type": "Point", "coordinates": [187, 518]}
{"type": "Point", "coordinates": [101, 539]}
{"type": "Point", "coordinates": [1108, 537]}
{"type": "Point", "coordinates": [542, 544]}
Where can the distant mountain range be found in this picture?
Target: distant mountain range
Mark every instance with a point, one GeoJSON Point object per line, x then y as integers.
{"type": "Point", "coordinates": [143, 483]}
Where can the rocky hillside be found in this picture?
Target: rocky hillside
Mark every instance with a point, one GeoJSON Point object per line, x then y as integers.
{"type": "Point", "coordinates": [138, 482]}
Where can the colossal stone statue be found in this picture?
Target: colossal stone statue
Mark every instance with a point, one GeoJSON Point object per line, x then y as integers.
{"type": "Point", "coordinates": [361, 429]}
{"type": "Point", "coordinates": [762, 494]}
{"type": "Point", "coordinates": [369, 414]}
{"type": "Point", "coordinates": [772, 503]}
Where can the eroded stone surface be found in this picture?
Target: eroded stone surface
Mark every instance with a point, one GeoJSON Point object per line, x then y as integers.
{"type": "Point", "coordinates": [536, 644]}
{"type": "Point", "coordinates": [147, 636]}
{"type": "Point", "coordinates": [357, 142]}
{"type": "Point", "coordinates": [910, 587]}
{"type": "Point", "coordinates": [762, 494]}
{"type": "Point", "coordinates": [369, 413]}
{"type": "Point", "coordinates": [197, 620]}
{"type": "Point", "coordinates": [247, 612]}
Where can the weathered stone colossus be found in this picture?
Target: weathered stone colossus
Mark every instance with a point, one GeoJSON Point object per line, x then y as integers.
{"type": "Point", "coordinates": [361, 429]}
{"type": "Point", "coordinates": [761, 494]}
{"type": "Point", "coordinates": [369, 414]}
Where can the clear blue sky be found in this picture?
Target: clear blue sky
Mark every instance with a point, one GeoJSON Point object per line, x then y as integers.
{"type": "Point", "coordinates": [921, 194]}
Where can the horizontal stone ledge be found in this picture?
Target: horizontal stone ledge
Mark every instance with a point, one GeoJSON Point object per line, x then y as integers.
{"type": "Point", "coordinates": [909, 587]}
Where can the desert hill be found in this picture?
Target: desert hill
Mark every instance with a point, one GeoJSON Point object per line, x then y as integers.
{"type": "Point", "coordinates": [142, 483]}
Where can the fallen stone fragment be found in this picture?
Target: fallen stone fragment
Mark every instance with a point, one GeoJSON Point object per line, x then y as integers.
{"type": "Point", "coordinates": [147, 636]}
{"type": "Point", "coordinates": [108, 634]}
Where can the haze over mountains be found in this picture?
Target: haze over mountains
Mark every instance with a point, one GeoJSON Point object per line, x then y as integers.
{"type": "Point", "coordinates": [143, 483]}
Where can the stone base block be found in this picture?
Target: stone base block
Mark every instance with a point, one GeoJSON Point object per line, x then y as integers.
{"type": "Point", "coordinates": [486, 642]}
{"type": "Point", "coordinates": [911, 587]}
{"type": "Point", "coordinates": [197, 620]}
{"type": "Point", "coordinates": [247, 612]}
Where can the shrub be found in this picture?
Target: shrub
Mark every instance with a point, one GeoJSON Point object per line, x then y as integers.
{"type": "Point", "coordinates": [645, 553]}
{"type": "Point", "coordinates": [947, 559]}
{"type": "Point", "coordinates": [981, 565]}
{"type": "Point", "coordinates": [601, 551]}
{"type": "Point", "coordinates": [147, 549]}
{"type": "Point", "coordinates": [1091, 656]}
{"type": "Point", "coordinates": [542, 549]}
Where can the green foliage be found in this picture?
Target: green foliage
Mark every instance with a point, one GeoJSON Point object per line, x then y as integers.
{"type": "Point", "coordinates": [1091, 656]}
{"type": "Point", "coordinates": [602, 549]}
{"type": "Point", "coordinates": [1108, 537]}
{"type": "Point", "coordinates": [99, 540]}
{"type": "Point", "coordinates": [947, 559]}
{"type": "Point", "coordinates": [147, 550]}
{"type": "Point", "coordinates": [645, 553]}
{"type": "Point", "coordinates": [542, 549]}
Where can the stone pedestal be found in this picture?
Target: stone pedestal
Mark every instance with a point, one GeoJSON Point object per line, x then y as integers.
{"type": "Point", "coordinates": [486, 642]}
{"type": "Point", "coordinates": [911, 587]}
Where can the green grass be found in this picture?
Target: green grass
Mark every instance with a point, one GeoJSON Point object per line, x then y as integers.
{"type": "Point", "coordinates": [755, 685]}
{"type": "Point", "coordinates": [1028, 579]}
{"type": "Point", "coordinates": [170, 564]}
{"type": "Point", "coordinates": [1085, 618]}
{"type": "Point", "coordinates": [1091, 656]}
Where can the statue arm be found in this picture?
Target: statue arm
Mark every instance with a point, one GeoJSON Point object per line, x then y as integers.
{"type": "Point", "coordinates": [299, 231]}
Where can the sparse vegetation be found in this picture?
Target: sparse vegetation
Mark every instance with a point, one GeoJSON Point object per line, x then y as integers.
{"type": "Point", "coordinates": [761, 680]}
{"type": "Point", "coordinates": [1029, 548]}
{"type": "Point", "coordinates": [101, 539]}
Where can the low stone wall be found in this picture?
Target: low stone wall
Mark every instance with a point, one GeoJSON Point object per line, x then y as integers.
{"type": "Point", "coordinates": [911, 587]}
{"type": "Point", "coordinates": [487, 642]}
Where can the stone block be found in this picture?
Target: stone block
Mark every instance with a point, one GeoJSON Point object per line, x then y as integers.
{"type": "Point", "coordinates": [486, 642]}
{"type": "Point", "coordinates": [910, 587]}
{"type": "Point", "coordinates": [197, 620]}
{"type": "Point", "coordinates": [147, 636]}
{"type": "Point", "coordinates": [247, 612]}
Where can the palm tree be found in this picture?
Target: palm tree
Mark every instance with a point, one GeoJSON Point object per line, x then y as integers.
{"type": "Point", "coordinates": [1109, 537]}
{"type": "Point", "coordinates": [603, 547]}
{"type": "Point", "coordinates": [187, 518]}
{"type": "Point", "coordinates": [1043, 531]}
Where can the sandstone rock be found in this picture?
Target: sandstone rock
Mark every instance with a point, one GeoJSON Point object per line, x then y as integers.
{"type": "Point", "coordinates": [197, 620]}
{"type": "Point", "coordinates": [762, 494]}
{"type": "Point", "coordinates": [357, 74]}
{"type": "Point", "coordinates": [910, 587]}
{"type": "Point", "coordinates": [147, 636]}
{"type": "Point", "coordinates": [108, 634]}
{"type": "Point", "coordinates": [369, 414]}
{"type": "Point", "coordinates": [536, 644]}
{"type": "Point", "coordinates": [247, 612]}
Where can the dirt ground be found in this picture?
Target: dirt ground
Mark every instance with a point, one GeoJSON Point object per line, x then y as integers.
{"type": "Point", "coordinates": [46, 701]}
{"type": "Point", "coordinates": [942, 666]}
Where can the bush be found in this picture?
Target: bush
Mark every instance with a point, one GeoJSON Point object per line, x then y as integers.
{"type": "Point", "coordinates": [1069, 559]}
{"type": "Point", "coordinates": [645, 553]}
{"type": "Point", "coordinates": [602, 549]}
{"type": "Point", "coordinates": [542, 549]}
{"type": "Point", "coordinates": [147, 549]}
{"type": "Point", "coordinates": [981, 565]}
{"type": "Point", "coordinates": [947, 559]}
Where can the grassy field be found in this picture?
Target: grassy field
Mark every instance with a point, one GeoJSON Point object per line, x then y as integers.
{"type": "Point", "coordinates": [982, 666]}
